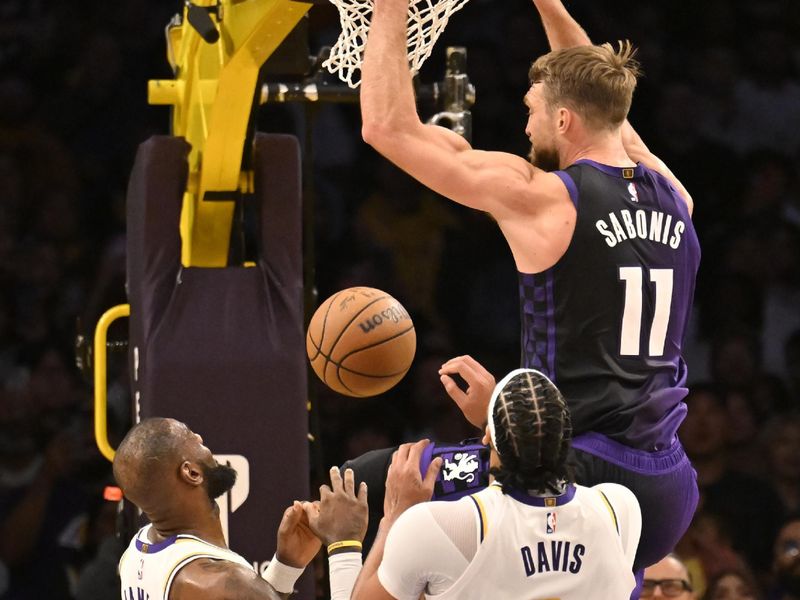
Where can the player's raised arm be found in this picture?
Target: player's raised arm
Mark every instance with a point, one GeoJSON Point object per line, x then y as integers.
{"type": "Point", "coordinates": [495, 182]}
{"type": "Point", "coordinates": [405, 487]}
{"type": "Point", "coordinates": [563, 31]}
{"type": "Point", "coordinates": [339, 519]}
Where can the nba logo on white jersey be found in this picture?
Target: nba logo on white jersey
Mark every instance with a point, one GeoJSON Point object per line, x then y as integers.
{"type": "Point", "coordinates": [633, 192]}
{"type": "Point", "coordinates": [551, 522]}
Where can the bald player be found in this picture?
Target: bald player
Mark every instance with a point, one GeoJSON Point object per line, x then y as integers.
{"type": "Point", "coordinates": [531, 534]}
{"type": "Point", "coordinates": [165, 470]}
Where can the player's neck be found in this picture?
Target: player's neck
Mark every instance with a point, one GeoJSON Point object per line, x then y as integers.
{"type": "Point", "coordinates": [200, 522]}
{"type": "Point", "coordinates": [605, 148]}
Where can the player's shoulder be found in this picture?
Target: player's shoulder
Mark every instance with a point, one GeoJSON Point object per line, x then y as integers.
{"type": "Point", "coordinates": [210, 579]}
{"type": "Point", "coordinates": [131, 547]}
{"type": "Point", "coordinates": [683, 200]}
{"type": "Point", "coordinates": [534, 189]}
{"type": "Point", "coordinates": [419, 515]}
{"type": "Point", "coordinates": [427, 521]}
{"type": "Point", "coordinates": [551, 184]}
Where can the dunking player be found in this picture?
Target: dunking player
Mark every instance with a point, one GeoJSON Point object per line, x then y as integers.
{"type": "Point", "coordinates": [165, 470]}
{"type": "Point", "coordinates": [602, 237]}
{"type": "Point", "coordinates": [531, 532]}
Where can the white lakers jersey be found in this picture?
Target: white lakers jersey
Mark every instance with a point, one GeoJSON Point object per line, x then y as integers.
{"type": "Point", "coordinates": [576, 546]}
{"type": "Point", "coordinates": [148, 570]}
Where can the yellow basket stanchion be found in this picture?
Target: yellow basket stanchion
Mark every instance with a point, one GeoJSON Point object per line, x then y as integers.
{"type": "Point", "coordinates": [100, 374]}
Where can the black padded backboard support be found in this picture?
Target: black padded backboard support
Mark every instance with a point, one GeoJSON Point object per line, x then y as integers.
{"type": "Point", "coordinates": [223, 349]}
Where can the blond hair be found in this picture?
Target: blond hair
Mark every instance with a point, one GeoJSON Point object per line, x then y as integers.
{"type": "Point", "coordinates": [597, 82]}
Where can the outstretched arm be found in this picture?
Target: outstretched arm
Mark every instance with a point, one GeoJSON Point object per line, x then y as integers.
{"type": "Point", "coordinates": [494, 182]}
{"type": "Point", "coordinates": [564, 32]}
{"type": "Point", "coordinates": [339, 519]}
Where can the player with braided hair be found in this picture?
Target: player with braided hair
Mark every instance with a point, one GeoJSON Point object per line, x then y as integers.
{"type": "Point", "coordinates": [531, 533]}
{"type": "Point", "coordinates": [531, 428]}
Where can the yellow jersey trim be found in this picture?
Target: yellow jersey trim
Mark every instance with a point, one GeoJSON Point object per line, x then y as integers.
{"type": "Point", "coordinates": [611, 511]}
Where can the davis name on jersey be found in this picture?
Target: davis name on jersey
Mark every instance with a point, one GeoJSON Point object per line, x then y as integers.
{"type": "Point", "coordinates": [558, 558]}
{"type": "Point", "coordinates": [652, 225]}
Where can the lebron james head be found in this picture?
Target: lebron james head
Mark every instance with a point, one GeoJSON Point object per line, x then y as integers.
{"type": "Point", "coordinates": [162, 463]}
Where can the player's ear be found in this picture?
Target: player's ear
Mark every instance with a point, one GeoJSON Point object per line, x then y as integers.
{"type": "Point", "coordinates": [563, 119]}
{"type": "Point", "coordinates": [487, 438]}
{"type": "Point", "coordinates": [191, 473]}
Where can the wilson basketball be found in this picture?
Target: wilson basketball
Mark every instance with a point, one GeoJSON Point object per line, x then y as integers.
{"type": "Point", "coordinates": [361, 342]}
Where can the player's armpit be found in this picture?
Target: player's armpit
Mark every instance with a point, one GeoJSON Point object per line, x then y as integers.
{"type": "Point", "coordinates": [207, 579]}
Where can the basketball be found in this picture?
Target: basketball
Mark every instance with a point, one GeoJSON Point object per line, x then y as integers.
{"type": "Point", "coordinates": [361, 342]}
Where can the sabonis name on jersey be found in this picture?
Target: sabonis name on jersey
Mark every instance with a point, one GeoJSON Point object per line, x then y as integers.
{"type": "Point", "coordinates": [652, 225]}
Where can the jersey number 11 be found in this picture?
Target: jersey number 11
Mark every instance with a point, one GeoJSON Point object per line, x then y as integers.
{"type": "Point", "coordinates": [631, 333]}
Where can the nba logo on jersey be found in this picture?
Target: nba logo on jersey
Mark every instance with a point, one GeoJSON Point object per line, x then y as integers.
{"type": "Point", "coordinates": [633, 192]}
{"type": "Point", "coordinates": [551, 522]}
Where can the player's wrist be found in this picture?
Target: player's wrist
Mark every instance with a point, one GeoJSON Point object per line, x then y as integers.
{"type": "Point", "coordinates": [281, 576]}
{"type": "Point", "coordinates": [344, 546]}
{"type": "Point", "coordinates": [344, 570]}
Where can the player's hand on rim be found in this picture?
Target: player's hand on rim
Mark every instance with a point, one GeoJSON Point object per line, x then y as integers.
{"type": "Point", "coordinates": [340, 514]}
{"type": "Point", "coordinates": [405, 486]}
{"type": "Point", "coordinates": [474, 402]}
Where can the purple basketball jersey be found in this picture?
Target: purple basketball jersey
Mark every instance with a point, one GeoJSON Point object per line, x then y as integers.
{"type": "Point", "coordinates": [607, 322]}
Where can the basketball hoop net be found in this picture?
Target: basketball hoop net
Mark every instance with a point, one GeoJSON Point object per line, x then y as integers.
{"type": "Point", "coordinates": [426, 21]}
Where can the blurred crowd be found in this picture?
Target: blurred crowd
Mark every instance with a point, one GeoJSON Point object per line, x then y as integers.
{"type": "Point", "coordinates": [719, 102]}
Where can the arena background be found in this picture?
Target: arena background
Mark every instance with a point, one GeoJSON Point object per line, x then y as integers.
{"type": "Point", "coordinates": [720, 103]}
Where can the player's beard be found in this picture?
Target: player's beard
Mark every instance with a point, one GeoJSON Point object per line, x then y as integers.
{"type": "Point", "coordinates": [219, 480]}
{"type": "Point", "coordinates": [546, 159]}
